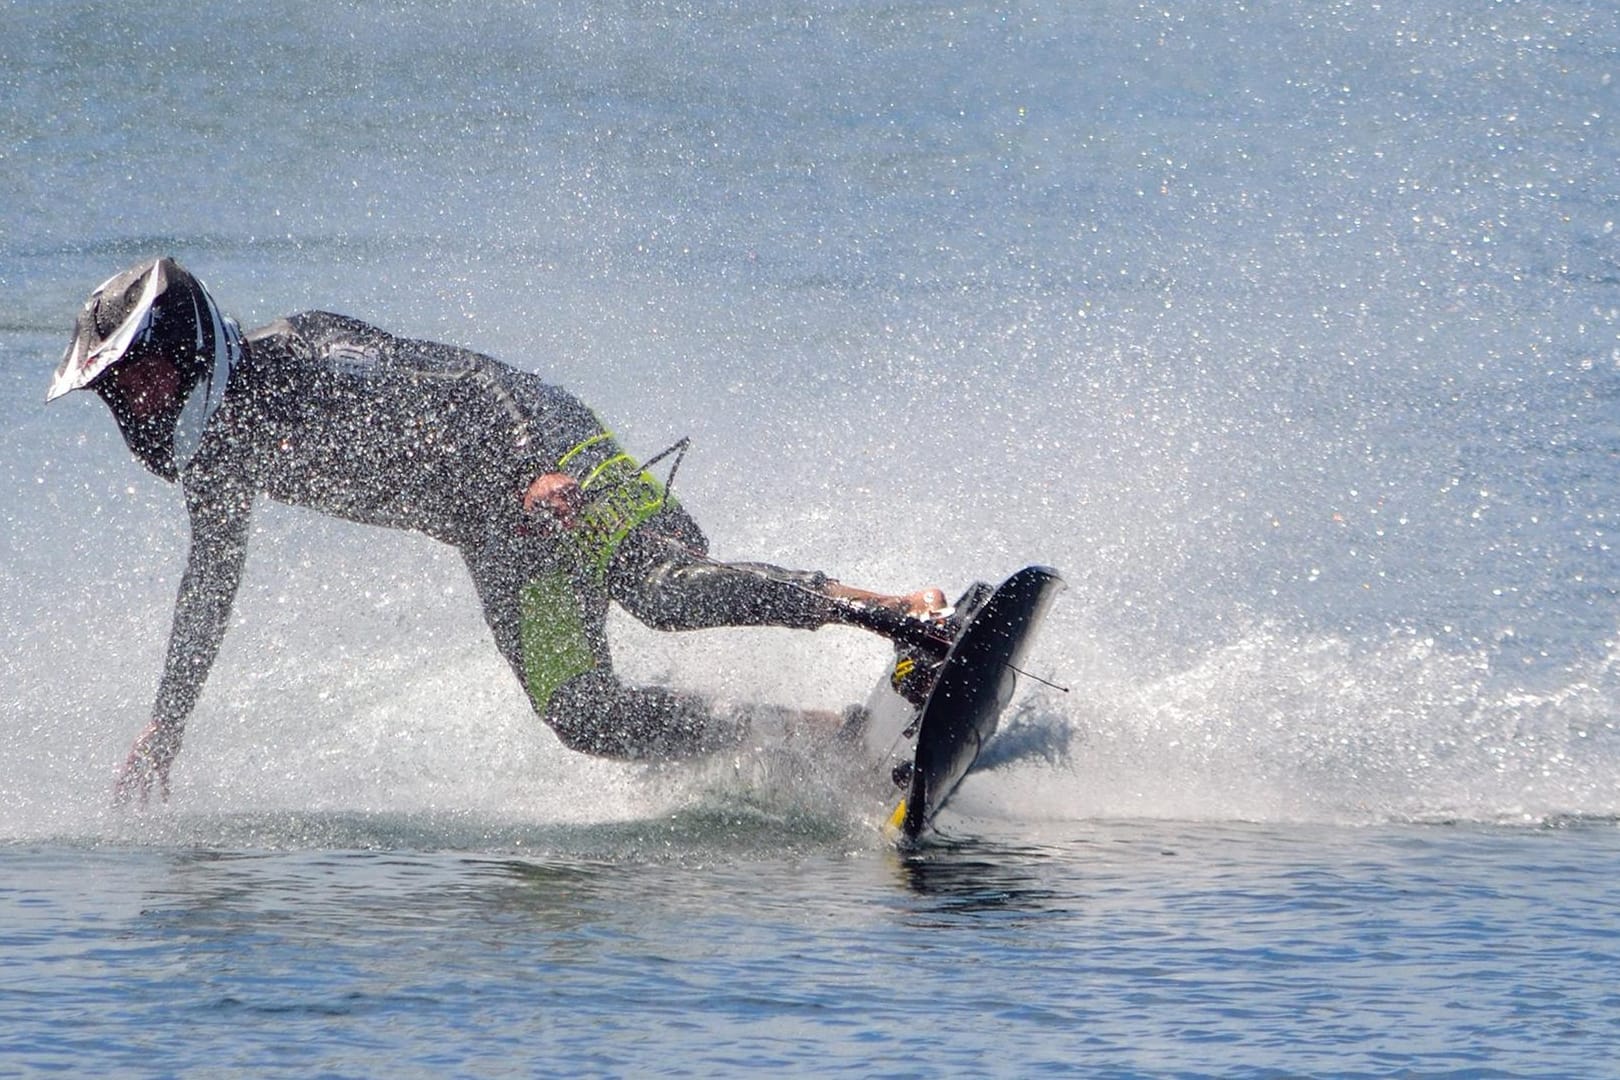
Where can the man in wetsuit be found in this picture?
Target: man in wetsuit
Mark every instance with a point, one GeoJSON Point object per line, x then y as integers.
{"type": "Point", "coordinates": [552, 518]}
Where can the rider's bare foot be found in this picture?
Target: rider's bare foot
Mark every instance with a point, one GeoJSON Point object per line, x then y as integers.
{"type": "Point", "coordinates": [925, 603]}
{"type": "Point", "coordinates": [922, 604]}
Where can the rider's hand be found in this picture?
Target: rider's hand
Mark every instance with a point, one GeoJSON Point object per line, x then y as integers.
{"type": "Point", "coordinates": [148, 764]}
{"type": "Point", "coordinates": [558, 494]}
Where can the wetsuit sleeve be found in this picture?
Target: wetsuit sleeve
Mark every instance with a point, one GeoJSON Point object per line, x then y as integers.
{"type": "Point", "coordinates": [219, 531]}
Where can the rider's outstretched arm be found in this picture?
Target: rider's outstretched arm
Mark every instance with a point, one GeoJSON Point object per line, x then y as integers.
{"type": "Point", "coordinates": [219, 531]}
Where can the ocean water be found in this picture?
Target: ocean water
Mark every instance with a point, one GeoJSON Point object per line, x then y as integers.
{"type": "Point", "coordinates": [1290, 333]}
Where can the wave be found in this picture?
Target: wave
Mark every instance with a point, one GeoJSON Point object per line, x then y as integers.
{"type": "Point", "coordinates": [1275, 728]}
{"type": "Point", "coordinates": [1267, 729]}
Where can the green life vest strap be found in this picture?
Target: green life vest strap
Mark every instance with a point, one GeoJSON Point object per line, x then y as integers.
{"type": "Point", "coordinates": [620, 496]}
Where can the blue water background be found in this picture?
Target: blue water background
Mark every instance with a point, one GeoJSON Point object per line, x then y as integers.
{"type": "Point", "coordinates": [1291, 333]}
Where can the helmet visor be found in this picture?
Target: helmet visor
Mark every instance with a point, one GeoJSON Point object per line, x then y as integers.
{"type": "Point", "coordinates": [116, 318]}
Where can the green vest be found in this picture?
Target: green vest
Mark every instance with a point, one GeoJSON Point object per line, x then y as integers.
{"type": "Point", "coordinates": [620, 497]}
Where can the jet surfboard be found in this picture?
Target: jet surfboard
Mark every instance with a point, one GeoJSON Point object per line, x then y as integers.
{"type": "Point", "coordinates": [949, 686]}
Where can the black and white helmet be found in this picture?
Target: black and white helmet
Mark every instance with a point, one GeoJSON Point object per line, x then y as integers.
{"type": "Point", "coordinates": [156, 307]}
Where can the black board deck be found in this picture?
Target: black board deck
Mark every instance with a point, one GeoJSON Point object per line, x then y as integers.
{"type": "Point", "coordinates": [973, 686]}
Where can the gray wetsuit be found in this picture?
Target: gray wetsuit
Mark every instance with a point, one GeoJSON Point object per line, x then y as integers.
{"type": "Point", "coordinates": [327, 412]}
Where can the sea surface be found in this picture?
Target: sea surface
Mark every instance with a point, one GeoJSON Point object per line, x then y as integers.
{"type": "Point", "coordinates": [1290, 333]}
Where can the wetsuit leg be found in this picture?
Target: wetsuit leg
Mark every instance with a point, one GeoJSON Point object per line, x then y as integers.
{"type": "Point", "coordinates": [682, 593]}
{"type": "Point", "coordinates": [596, 713]}
{"type": "Point", "coordinates": [670, 585]}
{"type": "Point", "coordinates": [551, 629]}
{"type": "Point", "coordinates": [497, 570]}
